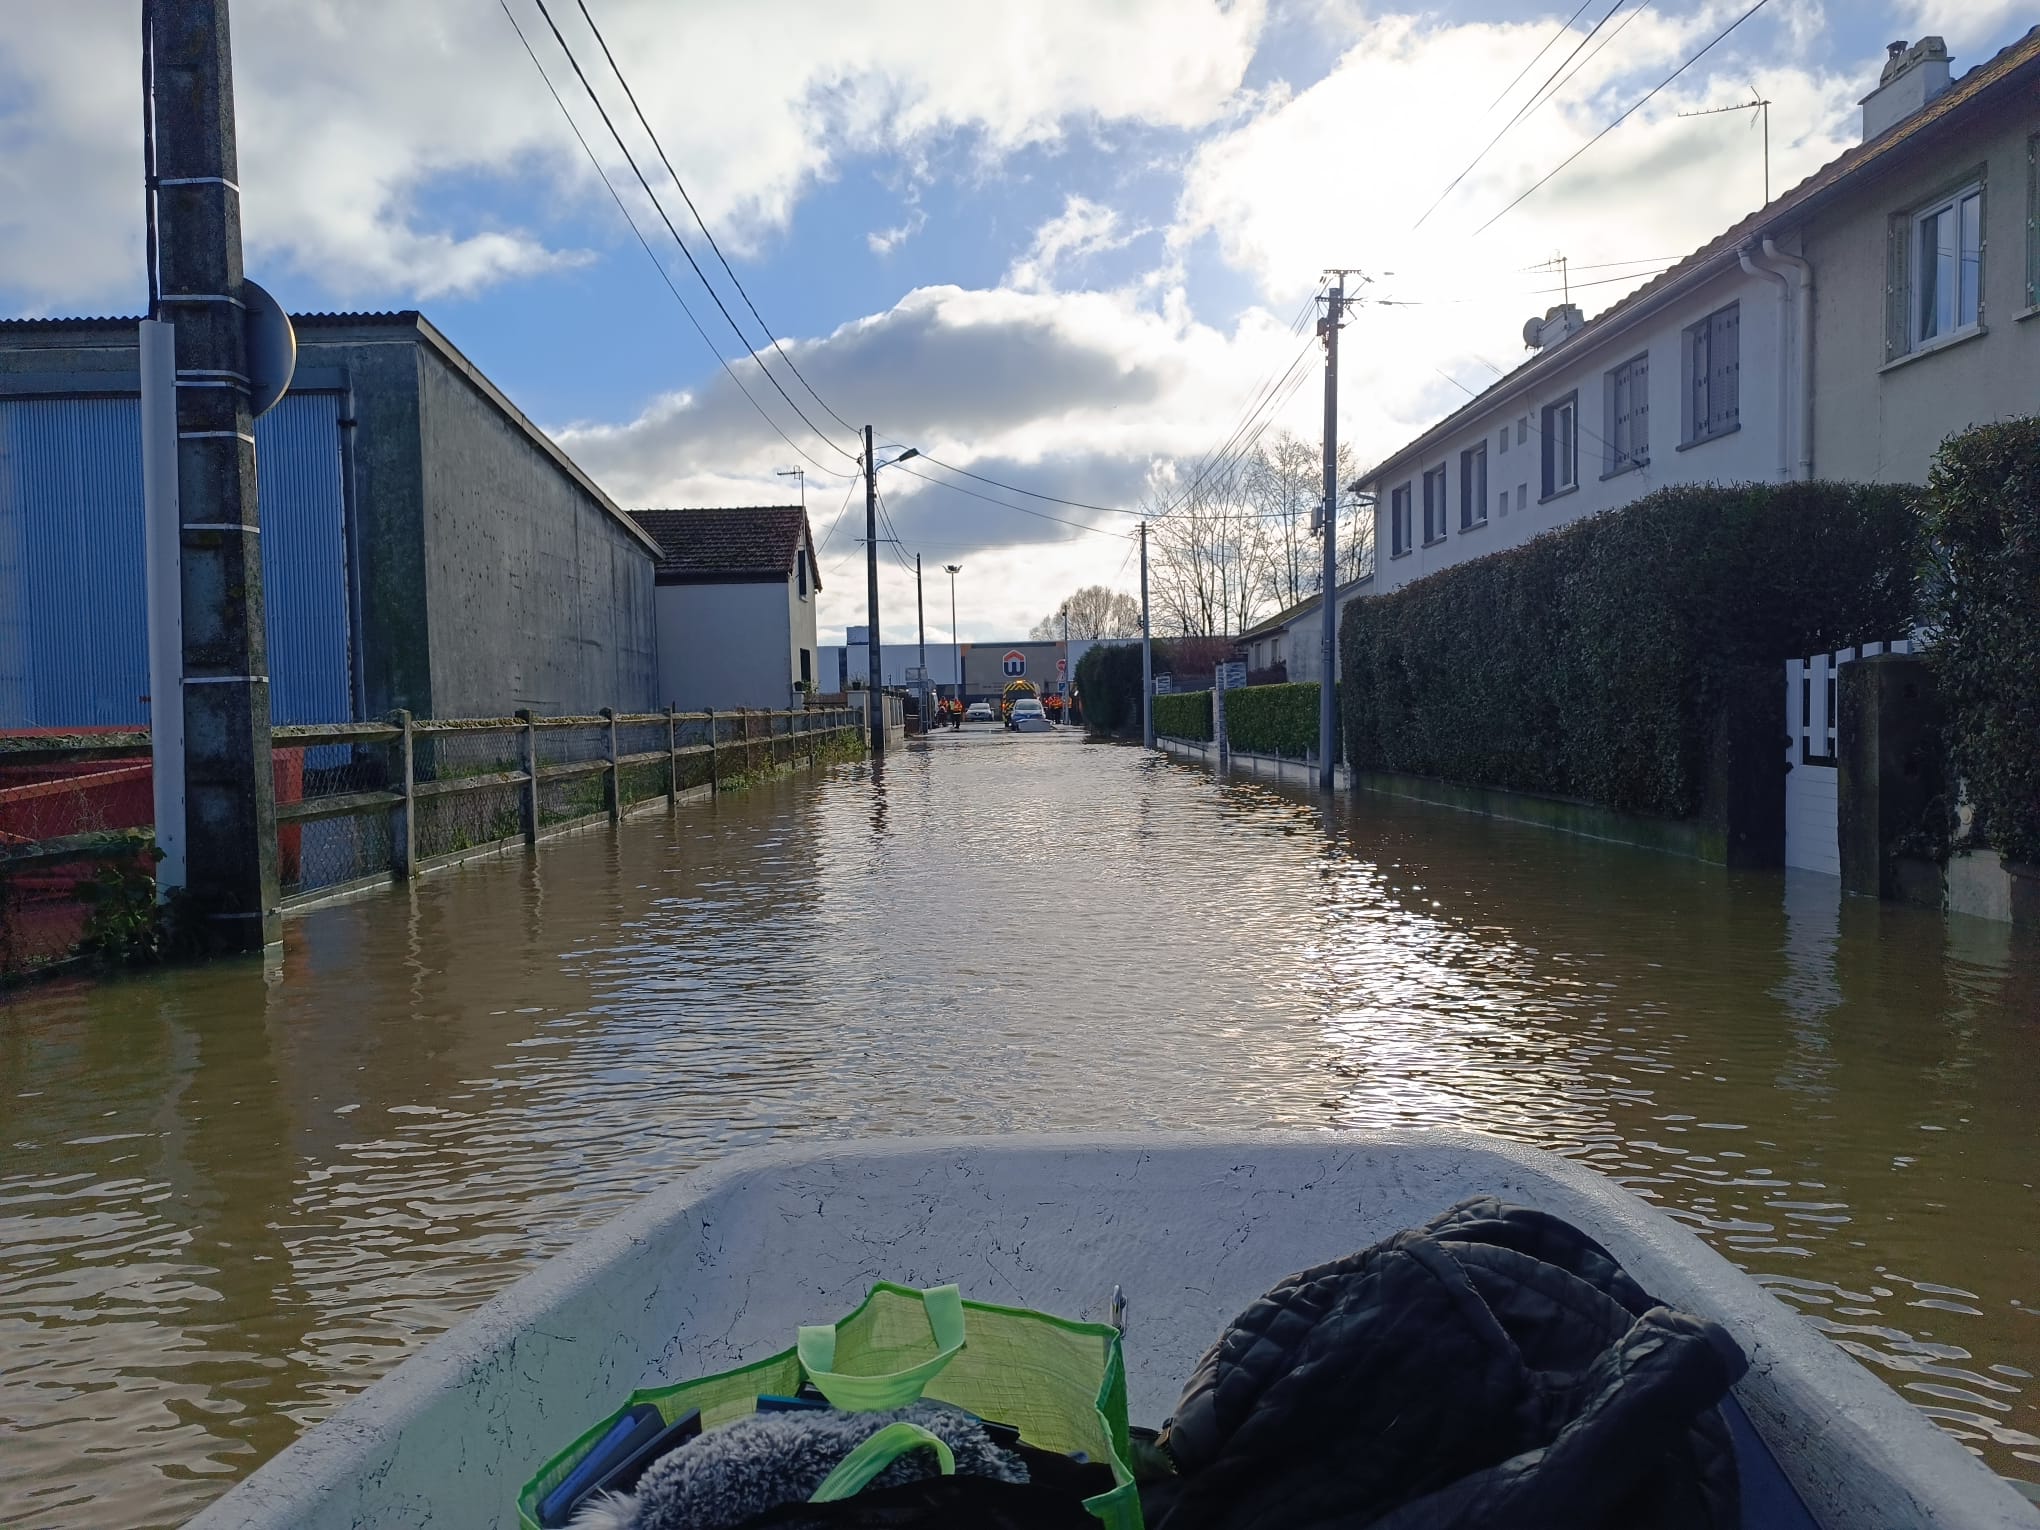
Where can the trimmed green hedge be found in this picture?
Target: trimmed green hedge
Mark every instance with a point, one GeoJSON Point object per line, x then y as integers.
{"type": "Point", "coordinates": [1597, 660]}
{"type": "Point", "coordinates": [1983, 517]}
{"type": "Point", "coordinates": [1184, 714]}
{"type": "Point", "coordinates": [1273, 719]}
{"type": "Point", "coordinates": [1108, 685]}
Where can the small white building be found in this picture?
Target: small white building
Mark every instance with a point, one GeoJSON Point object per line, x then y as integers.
{"type": "Point", "coordinates": [736, 590]}
{"type": "Point", "coordinates": [1292, 640]}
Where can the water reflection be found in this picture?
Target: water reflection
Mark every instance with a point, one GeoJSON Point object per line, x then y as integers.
{"type": "Point", "coordinates": [231, 1197]}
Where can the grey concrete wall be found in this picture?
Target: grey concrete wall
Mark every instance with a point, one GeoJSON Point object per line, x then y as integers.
{"type": "Point", "coordinates": [723, 646]}
{"type": "Point", "coordinates": [536, 594]}
{"type": "Point", "coordinates": [1881, 422]}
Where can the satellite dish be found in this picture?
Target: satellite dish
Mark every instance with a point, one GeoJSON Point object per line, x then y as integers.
{"type": "Point", "coordinates": [272, 347]}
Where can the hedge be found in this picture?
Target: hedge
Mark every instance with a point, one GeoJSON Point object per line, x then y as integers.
{"type": "Point", "coordinates": [1273, 719]}
{"type": "Point", "coordinates": [1184, 714]}
{"type": "Point", "coordinates": [1596, 661]}
{"type": "Point", "coordinates": [1108, 685]}
{"type": "Point", "coordinates": [1983, 519]}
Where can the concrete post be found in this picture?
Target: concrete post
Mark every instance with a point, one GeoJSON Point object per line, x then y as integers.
{"type": "Point", "coordinates": [404, 819]}
{"type": "Point", "coordinates": [612, 785]}
{"type": "Point", "coordinates": [1890, 771]}
{"type": "Point", "coordinates": [672, 760]}
{"type": "Point", "coordinates": [528, 740]}
{"type": "Point", "coordinates": [229, 777]}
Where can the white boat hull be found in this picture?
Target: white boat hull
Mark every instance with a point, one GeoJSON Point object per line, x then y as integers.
{"type": "Point", "coordinates": [720, 1267]}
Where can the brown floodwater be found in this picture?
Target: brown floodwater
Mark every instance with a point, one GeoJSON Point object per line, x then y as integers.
{"type": "Point", "coordinates": [230, 1197]}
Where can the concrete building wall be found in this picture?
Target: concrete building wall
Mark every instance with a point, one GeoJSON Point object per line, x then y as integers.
{"type": "Point", "coordinates": [1881, 419]}
{"type": "Point", "coordinates": [1750, 452]}
{"type": "Point", "coordinates": [724, 646]}
{"type": "Point", "coordinates": [537, 594]}
{"type": "Point", "coordinates": [800, 622]}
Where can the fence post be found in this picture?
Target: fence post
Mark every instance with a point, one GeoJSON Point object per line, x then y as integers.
{"type": "Point", "coordinates": [528, 743]}
{"type": "Point", "coordinates": [672, 761]}
{"type": "Point", "coordinates": [714, 769]}
{"type": "Point", "coordinates": [612, 785]}
{"type": "Point", "coordinates": [404, 818]}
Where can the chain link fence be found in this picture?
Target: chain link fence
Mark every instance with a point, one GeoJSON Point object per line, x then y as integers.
{"type": "Point", "coordinates": [360, 803]}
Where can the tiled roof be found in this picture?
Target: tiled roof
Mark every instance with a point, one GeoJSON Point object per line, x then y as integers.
{"type": "Point", "coordinates": [736, 543]}
{"type": "Point", "coordinates": [1302, 608]}
{"type": "Point", "coordinates": [2006, 67]}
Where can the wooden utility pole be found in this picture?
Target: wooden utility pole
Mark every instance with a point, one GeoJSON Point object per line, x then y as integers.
{"type": "Point", "coordinates": [875, 689]}
{"type": "Point", "coordinates": [230, 790]}
{"type": "Point", "coordinates": [1328, 640]}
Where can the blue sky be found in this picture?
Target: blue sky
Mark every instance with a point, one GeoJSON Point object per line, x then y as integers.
{"type": "Point", "coordinates": [1058, 242]}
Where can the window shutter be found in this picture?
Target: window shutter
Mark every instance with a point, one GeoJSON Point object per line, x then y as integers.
{"type": "Point", "coordinates": [1639, 409]}
{"type": "Point", "coordinates": [1722, 370]}
{"type": "Point", "coordinates": [1897, 285]}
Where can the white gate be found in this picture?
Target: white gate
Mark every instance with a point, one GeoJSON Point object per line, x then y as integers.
{"type": "Point", "coordinates": [1812, 713]}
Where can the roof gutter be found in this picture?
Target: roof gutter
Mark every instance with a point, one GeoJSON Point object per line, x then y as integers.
{"type": "Point", "coordinates": [1803, 354]}
{"type": "Point", "coordinates": [1784, 378]}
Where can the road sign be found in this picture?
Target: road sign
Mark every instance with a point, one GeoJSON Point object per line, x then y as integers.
{"type": "Point", "coordinates": [1164, 684]}
{"type": "Point", "coordinates": [1015, 662]}
{"type": "Point", "coordinates": [1062, 666]}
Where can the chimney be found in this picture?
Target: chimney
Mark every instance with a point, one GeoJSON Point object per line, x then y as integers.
{"type": "Point", "coordinates": [1912, 77]}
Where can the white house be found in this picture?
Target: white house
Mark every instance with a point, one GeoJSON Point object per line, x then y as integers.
{"type": "Point", "coordinates": [1842, 331]}
{"type": "Point", "coordinates": [735, 600]}
{"type": "Point", "coordinates": [1293, 640]}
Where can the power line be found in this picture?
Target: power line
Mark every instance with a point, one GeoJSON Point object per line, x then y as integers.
{"type": "Point", "coordinates": [1074, 504]}
{"type": "Point", "coordinates": [1576, 68]}
{"type": "Point", "coordinates": [1006, 505]}
{"type": "Point", "coordinates": [1564, 27]}
{"type": "Point", "coordinates": [1224, 454]}
{"type": "Point", "coordinates": [848, 495]}
{"type": "Point", "coordinates": [603, 43]}
{"type": "Point", "coordinates": [650, 253]}
{"type": "Point", "coordinates": [659, 207]}
{"type": "Point", "coordinates": [1626, 115]}
{"type": "Point", "coordinates": [1537, 99]}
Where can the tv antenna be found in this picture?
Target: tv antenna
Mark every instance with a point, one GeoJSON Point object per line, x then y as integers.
{"type": "Point", "coordinates": [1761, 105]}
{"type": "Point", "coordinates": [799, 476]}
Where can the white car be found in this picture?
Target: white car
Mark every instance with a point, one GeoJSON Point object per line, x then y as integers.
{"type": "Point", "coordinates": [978, 711]}
{"type": "Point", "coordinates": [1028, 716]}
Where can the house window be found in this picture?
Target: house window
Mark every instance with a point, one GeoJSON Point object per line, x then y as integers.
{"type": "Point", "coordinates": [1399, 521]}
{"type": "Point", "coordinates": [1562, 446]}
{"type": "Point", "coordinates": [800, 570]}
{"type": "Point", "coordinates": [1713, 375]}
{"type": "Point", "coordinates": [1505, 440]}
{"type": "Point", "coordinates": [1503, 497]}
{"type": "Point", "coordinates": [1945, 291]}
{"type": "Point", "coordinates": [1275, 651]}
{"type": "Point", "coordinates": [1473, 487]}
{"type": "Point", "coordinates": [807, 667]}
{"type": "Point", "coordinates": [1628, 414]}
{"type": "Point", "coordinates": [1522, 429]}
{"type": "Point", "coordinates": [1434, 504]}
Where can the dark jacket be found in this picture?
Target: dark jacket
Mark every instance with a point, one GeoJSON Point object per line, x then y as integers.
{"type": "Point", "coordinates": [1493, 1368]}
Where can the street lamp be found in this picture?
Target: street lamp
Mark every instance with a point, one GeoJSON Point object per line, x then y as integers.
{"type": "Point", "coordinates": [955, 638]}
{"type": "Point", "coordinates": [874, 658]}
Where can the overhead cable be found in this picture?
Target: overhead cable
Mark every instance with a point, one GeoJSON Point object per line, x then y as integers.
{"type": "Point", "coordinates": [660, 208]}
{"type": "Point", "coordinates": [651, 254]}
{"type": "Point", "coordinates": [699, 223]}
{"type": "Point", "coordinates": [1626, 115]}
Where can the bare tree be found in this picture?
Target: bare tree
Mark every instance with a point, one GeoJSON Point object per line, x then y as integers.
{"type": "Point", "coordinates": [1286, 482]}
{"type": "Point", "coordinates": [1095, 611]}
{"type": "Point", "coordinates": [1211, 555]}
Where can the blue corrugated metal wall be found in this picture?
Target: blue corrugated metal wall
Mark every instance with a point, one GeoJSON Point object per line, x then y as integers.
{"type": "Point", "coordinates": [73, 649]}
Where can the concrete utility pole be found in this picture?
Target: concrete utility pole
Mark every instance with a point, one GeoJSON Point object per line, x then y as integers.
{"type": "Point", "coordinates": [1147, 653]}
{"type": "Point", "coordinates": [1328, 641]}
{"type": "Point", "coordinates": [955, 637]}
{"type": "Point", "coordinates": [875, 694]}
{"type": "Point", "coordinates": [229, 785]}
{"type": "Point", "coordinates": [921, 614]}
{"type": "Point", "coordinates": [1067, 675]}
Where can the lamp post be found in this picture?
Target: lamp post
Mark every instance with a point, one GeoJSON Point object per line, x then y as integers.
{"type": "Point", "coordinates": [955, 637]}
{"type": "Point", "coordinates": [874, 661]}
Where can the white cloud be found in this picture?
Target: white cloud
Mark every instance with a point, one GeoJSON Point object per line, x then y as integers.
{"type": "Point", "coordinates": [1082, 228]}
{"type": "Point", "coordinates": [355, 114]}
{"type": "Point", "coordinates": [885, 240]}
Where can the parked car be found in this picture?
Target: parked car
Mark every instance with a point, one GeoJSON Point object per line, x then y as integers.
{"type": "Point", "coordinates": [1028, 716]}
{"type": "Point", "coordinates": [978, 711]}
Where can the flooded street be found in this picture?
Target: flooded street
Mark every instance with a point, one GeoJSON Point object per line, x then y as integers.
{"type": "Point", "coordinates": [230, 1198]}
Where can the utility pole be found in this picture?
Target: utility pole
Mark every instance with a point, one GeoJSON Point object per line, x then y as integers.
{"type": "Point", "coordinates": [921, 612]}
{"type": "Point", "coordinates": [1328, 641]}
{"type": "Point", "coordinates": [1147, 652]}
{"type": "Point", "coordinates": [955, 637]}
{"type": "Point", "coordinates": [875, 694]}
{"type": "Point", "coordinates": [1067, 674]}
{"type": "Point", "coordinates": [229, 784]}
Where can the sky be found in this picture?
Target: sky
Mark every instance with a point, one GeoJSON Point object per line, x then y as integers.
{"type": "Point", "coordinates": [1063, 244]}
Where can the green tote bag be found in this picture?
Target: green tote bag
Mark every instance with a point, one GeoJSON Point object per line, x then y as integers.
{"type": "Point", "coordinates": [1062, 1384]}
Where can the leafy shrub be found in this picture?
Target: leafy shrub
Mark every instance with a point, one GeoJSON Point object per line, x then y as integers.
{"type": "Point", "coordinates": [1597, 660]}
{"type": "Point", "coordinates": [1184, 714]}
{"type": "Point", "coordinates": [1983, 520]}
{"type": "Point", "coordinates": [1273, 719]}
{"type": "Point", "coordinates": [1108, 684]}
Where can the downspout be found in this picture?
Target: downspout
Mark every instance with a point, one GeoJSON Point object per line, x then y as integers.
{"type": "Point", "coordinates": [1805, 348]}
{"type": "Point", "coordinates": [1784, 302]}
